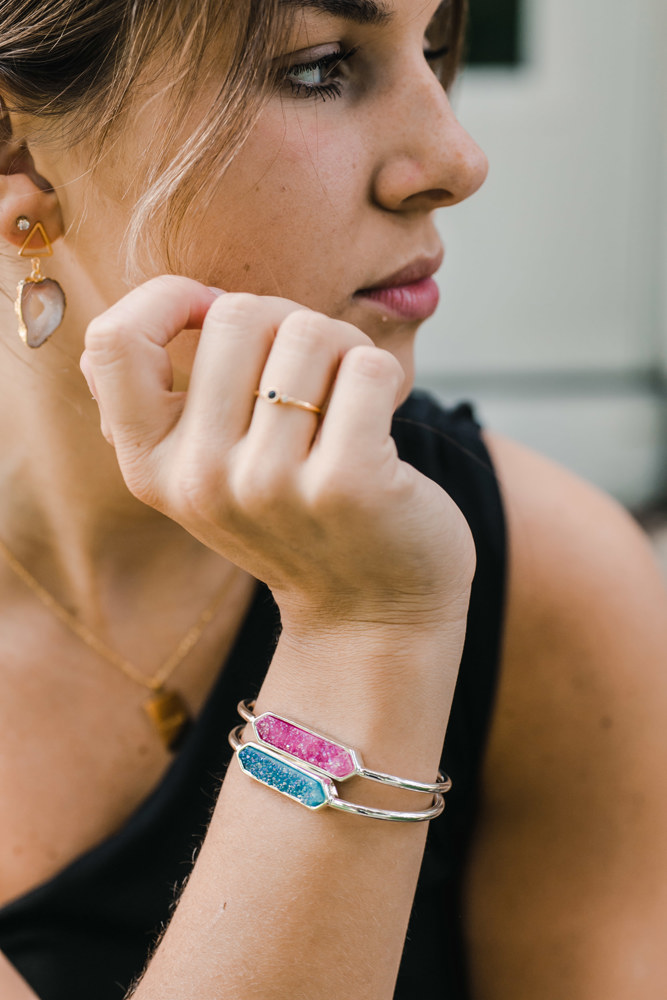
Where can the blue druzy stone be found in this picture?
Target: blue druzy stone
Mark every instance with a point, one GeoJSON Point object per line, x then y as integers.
{"type": "Point", "coordinates": [277, 773]}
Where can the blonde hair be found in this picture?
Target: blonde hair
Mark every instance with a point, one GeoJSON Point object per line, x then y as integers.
{"type": "Point", "coordinates": [78, 67]}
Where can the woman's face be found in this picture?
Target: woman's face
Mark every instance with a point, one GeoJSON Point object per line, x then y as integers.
{"type": "Point", "coordinates": [334, 192]}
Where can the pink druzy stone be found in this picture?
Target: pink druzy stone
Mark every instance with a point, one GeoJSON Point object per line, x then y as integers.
{"type": "Point", "coordinates": [331, 758]}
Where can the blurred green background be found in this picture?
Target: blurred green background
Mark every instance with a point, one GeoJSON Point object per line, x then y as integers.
{"type": "Point", "coordinates": [494, 32]}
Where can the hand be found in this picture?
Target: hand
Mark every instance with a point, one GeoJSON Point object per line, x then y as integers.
{"type": "Point", "coordinates": [319, 508]}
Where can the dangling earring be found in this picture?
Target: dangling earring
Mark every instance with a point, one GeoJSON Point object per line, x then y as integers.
{"type": "Point", "coordinates": [40, 301]}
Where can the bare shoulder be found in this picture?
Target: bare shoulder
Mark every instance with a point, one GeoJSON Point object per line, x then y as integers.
{"type": "Point", "coordinates": [549, 507]}
{"type": "Point", "coordinates": [573, 821]}
{"type": "Point", "coordinates": [580, 566]}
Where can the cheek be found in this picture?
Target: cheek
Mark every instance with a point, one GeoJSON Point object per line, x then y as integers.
{"type": "Point", "coordinates": [288, 212]}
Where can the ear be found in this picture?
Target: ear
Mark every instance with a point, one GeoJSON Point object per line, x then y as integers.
{"type": "Point", "coordinates": [23, 192]}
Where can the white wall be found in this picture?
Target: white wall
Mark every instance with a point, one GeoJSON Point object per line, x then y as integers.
{"type": "Point", "coordinates": [554, 310]}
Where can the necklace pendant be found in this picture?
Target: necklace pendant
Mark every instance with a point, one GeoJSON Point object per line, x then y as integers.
{"type": "Point", "coordinates": [170, 717]}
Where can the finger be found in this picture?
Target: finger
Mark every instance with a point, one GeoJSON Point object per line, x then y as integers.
{"type": "Point", "coordinates": [236, 339]}
{"type": "Point", "coordinates": [302, 365]}
{"type": "Point", "coordinates": [358, 419]}
{"type": "Point", "coordinates": [127, 361]}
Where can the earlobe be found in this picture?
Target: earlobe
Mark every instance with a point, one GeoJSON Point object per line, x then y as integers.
{"type": "Point", "coordinates": [21, 198]}
{"type": "Point", "coordinates": [23, 192]}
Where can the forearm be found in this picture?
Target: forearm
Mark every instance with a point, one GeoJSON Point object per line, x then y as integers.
{"type": "Point", "coordinates": [370, 563]}
{"type": "Point", "coordinates": [284, 903]}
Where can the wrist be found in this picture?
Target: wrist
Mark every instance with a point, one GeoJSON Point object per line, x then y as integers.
{"type": "Point", "coordinates": [369, 645]}
{"type": "Point", "coordinates": [371, 674]}
{"type": "Point", "coordinates": [385, 695]}
{"type": "Point", "coordinates": [407, 619]}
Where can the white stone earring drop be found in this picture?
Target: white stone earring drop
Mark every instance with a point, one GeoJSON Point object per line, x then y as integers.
{"type": "Point", "coordinates": [40, 301]}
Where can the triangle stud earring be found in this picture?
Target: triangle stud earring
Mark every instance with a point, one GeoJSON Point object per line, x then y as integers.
{"type": "Point", "coordinates": [40, 301]}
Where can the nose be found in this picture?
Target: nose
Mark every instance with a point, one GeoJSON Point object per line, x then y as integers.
{"type": "Point", "coordinates": [427, 158]}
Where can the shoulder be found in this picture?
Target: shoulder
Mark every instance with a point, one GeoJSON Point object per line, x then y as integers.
{"type": "Point", "coordinates": [586, 615]}
{"type": "Point", "coordinates": [571, 807]}
{"type": "Point", "coordinates": [577, 558]}
{"type": "Point", "coordinates": [585, 643]}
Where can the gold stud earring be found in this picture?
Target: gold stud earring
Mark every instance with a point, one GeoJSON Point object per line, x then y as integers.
{"type": "Point", "coordinates": [40, 301]}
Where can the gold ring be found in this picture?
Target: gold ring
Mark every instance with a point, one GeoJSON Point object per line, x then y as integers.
{"type": "Point", "coordinates": [280, 398]}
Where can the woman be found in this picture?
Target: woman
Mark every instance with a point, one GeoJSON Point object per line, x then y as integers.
{"type": "Point", "coordinates": [291, 154]}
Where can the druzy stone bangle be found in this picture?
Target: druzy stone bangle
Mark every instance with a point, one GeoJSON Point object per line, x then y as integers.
{"type": "Point", "coordinates": [330, 758]}
{"type": "Point", "coordinates": [309, 788]}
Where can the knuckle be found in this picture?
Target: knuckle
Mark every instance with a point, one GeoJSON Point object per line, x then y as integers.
{"type": "Point", "coordinates": [334, 489]}
{"type": "Point", "coordinates": [233, 308]}
{"type": "Point", "coordinates": [353, 335]}
{"type": "Point", "coordinates": [166, 284]}
{"type": "Point", "coordinates": [259, 488]}
{"type": "Point", "coordinates": [100, 333]}
{"type": "Point", "coordinates": [197, 495]}
{"type": "Point", "coordinates": [374, 362]}
{"type": "Point", "coordinates": [238, 316]}
{"type": "Point", "coordinates": [306, 331]}
{"type": "Point", "coordinates": [109, 335]}
{"type": "Point", "coordinates": [197, 483]}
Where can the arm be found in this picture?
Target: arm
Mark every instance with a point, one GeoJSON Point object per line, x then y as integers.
{"type": "Point", "coordinates": [371, 566]}
{"type": "Point", "coordinates": [568, 881]}
{"type": "Point", "coordinates": [282, 904]}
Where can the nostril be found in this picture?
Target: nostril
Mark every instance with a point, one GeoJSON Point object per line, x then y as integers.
{"type": "Point", "coordinates": [439, 196]}
{"type": "Point", "coordinates": [429, 200]}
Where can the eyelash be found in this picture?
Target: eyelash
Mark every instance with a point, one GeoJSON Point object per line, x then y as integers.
{"type": "Point", "coordinates": [333, 90]}
{"type": "Point", "coordinates": [325, 91]}
{"type": "Point", "coordinates": [434, 55]}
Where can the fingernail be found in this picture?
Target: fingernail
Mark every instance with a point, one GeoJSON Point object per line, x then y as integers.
{"type": "Point", "coordinates": [216, 291]}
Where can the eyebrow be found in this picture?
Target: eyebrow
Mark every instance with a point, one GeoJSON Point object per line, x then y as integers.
{"type": "Point", "coordinates": [372, 12]}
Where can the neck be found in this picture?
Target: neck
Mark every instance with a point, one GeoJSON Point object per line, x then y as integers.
{"type": "Point", "coordinates": [65, 511]}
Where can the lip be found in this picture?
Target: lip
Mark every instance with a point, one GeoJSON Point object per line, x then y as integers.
{"type": "Point", "coordinates": [418, 270]}
{"type": "Point", "coordinates": [408, 294]}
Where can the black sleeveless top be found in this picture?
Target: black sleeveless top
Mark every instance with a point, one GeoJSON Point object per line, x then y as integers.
{"type": "Point", "coordinates": [86, 933]}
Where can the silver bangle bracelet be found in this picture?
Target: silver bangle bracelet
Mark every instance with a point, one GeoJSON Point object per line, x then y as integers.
{"type": "Point", "coordinates": [313, 790]}
{"type": "Point", "coordinates": [325, 755]}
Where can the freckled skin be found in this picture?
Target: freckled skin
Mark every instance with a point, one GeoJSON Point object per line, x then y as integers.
{"type": "Point", "coordinates": [322, 200]}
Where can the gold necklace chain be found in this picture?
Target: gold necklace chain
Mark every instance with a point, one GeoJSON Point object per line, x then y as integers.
{"type": "Point", "coordinates": [165, 708]}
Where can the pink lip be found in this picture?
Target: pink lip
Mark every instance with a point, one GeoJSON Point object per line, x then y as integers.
{"type": "Point", "coordinates": [415, 301]}
{"type": "Point", "coordinates": [409, 294]}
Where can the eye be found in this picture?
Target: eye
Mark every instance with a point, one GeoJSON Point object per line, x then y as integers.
{"type": "Point", "coordinates": [318, 77]}
{"type": "Point", "coordinates": [435, 55]}
{"type": "Point", "coordinates": [440, 34]}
